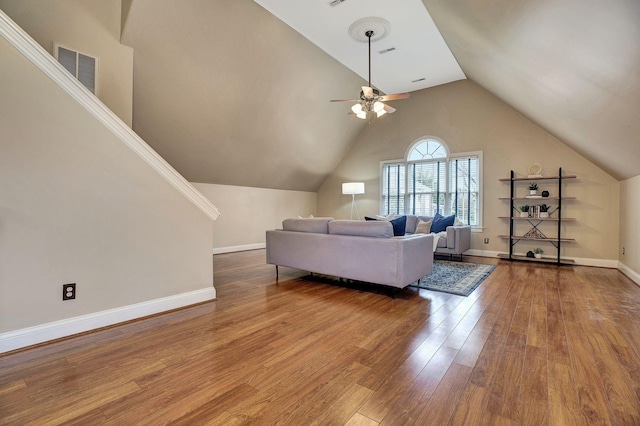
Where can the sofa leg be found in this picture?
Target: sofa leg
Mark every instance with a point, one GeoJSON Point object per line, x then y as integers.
{"type": "Point", "coordinates": [277, 272]}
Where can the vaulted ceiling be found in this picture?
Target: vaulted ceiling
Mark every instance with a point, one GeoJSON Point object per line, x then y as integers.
{"type": "Point", "coordinates": [230, 94]}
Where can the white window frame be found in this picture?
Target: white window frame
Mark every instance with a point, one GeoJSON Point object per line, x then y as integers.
{"type": "Point", "coordinates": [450, 157]}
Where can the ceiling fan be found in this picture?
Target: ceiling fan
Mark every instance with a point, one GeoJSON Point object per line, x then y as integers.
{"type": "Point", "coordinates": [370, 100]}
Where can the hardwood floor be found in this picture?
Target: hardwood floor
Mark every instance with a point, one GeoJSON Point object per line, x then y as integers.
{"type": "Point", "coordinates": [534, 344]}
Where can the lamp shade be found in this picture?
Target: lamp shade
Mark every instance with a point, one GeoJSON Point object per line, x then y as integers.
{"type": "Point", "coordinates": [353, 188]}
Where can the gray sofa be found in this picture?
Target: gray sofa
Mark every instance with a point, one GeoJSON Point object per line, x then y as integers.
{"type": "Point", "coordinates": [356, 250]}
{"type": "Point", "coordinates": [456, 241]}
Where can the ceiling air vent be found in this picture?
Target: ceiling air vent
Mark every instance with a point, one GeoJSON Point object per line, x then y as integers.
{"type": "Point", "coordinates": [382, 52]}
{"type": "Point", "coordinates": [420, 79]}
{"type": "Point", "coordinates": [336, 2]}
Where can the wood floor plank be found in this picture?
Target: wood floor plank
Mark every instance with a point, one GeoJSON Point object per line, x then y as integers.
{"type": "Point", "coordinates": [533, 403]}
{"type": "Point", "coordinates": [439, 408]}
{"type": "Point", "coordinates": [470, 408]}
{"type": "Point", "coordinates": [594, 406]}
{"type": "Point", "coordinates": [564, 407]}
{"type": "Point", "coordinates": [534, 344]}
{"type": "Point", "coordinates": [505, 393]}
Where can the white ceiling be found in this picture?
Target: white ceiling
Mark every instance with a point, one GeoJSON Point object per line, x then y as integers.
{"type": "Point", "coordinates": [420, 51]}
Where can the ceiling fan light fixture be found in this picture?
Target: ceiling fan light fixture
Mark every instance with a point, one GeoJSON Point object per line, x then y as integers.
{"type": "Point", "coordinates": [368, 30]}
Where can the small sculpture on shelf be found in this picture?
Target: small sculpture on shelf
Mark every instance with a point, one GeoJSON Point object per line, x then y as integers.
{"type": "Point", "coordinates": [545, 194]}
{"type": "Point", "coordinates": [534, 233]}
{"type": "Point", "coordinates": [535, 171]}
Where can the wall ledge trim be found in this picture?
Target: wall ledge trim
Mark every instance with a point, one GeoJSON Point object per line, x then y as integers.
{"type": "Point", "coordinates": [25, 337]}
{"type": "Point", "coordinates": [35, 53]}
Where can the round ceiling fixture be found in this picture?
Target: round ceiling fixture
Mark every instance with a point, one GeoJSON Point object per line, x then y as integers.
{"type": "Point", "coordinates": [380, 27]}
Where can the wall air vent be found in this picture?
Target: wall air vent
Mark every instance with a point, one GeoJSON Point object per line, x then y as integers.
{"type": "Point", "coordinates": [81, 66]}
{"type": "Point", "coordinates": [334, 3]}
{"type": "Point", "coordinates": [420, 79]}
{"type": "Point", "coordinates": [382, 52]}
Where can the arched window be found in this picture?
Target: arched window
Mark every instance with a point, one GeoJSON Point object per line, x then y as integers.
{"type": "Point", "coordinates": [431, 180]}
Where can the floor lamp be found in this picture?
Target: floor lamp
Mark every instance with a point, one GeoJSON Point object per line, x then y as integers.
{"type": "Point", "coordinates": [353, 188]}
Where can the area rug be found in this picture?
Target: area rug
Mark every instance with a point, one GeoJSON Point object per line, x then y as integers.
{"type": "Point", "coordinates": [459, 278]}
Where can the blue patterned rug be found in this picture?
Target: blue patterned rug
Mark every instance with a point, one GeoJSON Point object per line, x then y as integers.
{"type": "Point", "coordinates": [459, 278]}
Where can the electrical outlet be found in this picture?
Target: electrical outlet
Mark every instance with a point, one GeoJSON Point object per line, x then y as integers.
{"type": "Point", "coordinates": [68, 291]}
{"type": "Point", "coordinates": [486, 241]}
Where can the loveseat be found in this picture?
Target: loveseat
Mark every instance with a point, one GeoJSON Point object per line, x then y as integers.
{"type": "Point", "coordinates": [355, 250]}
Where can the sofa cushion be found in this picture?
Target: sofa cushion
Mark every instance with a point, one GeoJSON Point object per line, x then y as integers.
{"type": "Point", "coordinates": [440, 222]}
{"type": "Point", "coordinates": [412, 222]}
{"type": "Point", "coordinates": [423, 227]}
{"type": "Point", "coordinates": [374, 228]}
{"type": "Point", "coordinates": [317, 225]}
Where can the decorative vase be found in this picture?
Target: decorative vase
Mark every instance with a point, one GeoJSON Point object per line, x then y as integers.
{"type": "Point", "coordinates": [524, 214]}
{"type": "Point", "coordinates": [533, 191]}
{"type": "Point", "coordinates": [538, 255]}
{"type": "Point", "coordinates": [544, 214]}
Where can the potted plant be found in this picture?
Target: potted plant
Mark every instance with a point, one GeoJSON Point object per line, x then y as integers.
{"type": "Point", "coordinates": [524, 211]}
{"type": "Point", "coordinates": [544, 210]}
{"type": "Point", "coordinates": [533, 188]}
{"type": "Point", "coordinates": [537, 252]}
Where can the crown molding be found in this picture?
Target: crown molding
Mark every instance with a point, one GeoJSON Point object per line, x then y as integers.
{"type": "Point", "coordinates": [31, 50]}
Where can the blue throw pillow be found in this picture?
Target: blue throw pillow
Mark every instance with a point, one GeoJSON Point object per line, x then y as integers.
{"type": "Point", "coordinates": [440, 222]}
{"type": "Point", "coordinates": [399, 226]}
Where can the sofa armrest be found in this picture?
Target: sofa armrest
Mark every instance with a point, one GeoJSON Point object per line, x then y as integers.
{"type": "Point", "coordinates": [459, 238]}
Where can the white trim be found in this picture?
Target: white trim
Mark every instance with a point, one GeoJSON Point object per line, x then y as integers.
{"type": "Point", "coordinates": [630, 273]}
{"type": "Point", "coordinates": [481, 253]}
{"type": "Point", "coordinates": [56, 72]}
{"type": "Point", "coordinates": [599, 263]}
{"type": "Point", "coordinates": [233, 249]}
{"type": "Point", "coordinates": [55, 330]}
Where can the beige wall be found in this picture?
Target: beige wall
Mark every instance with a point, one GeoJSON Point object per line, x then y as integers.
{"type": "Point", "coordinates": [468, 118]}
{"type": "Point", "coordinates": [629, 228]}
{"type": "Point", "coordinates": [77, 205]}
{"type": "Point", "coordinates": [88, 26]}
{"type": "Point", "coordinates": [248, 212]}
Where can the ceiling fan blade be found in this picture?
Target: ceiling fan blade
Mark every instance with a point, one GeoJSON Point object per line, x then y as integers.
{"type": "Point", "coordinates": [389, 109]}
{"type": "Point", "coordinates": [393, 97]}
{"type": "Point", "coordinates": [344, 100]}
{"type": "Point", "coordinates": [367, 91]}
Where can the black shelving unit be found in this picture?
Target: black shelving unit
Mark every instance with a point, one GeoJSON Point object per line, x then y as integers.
{"type": "Point", "coordinates": [537, 222]}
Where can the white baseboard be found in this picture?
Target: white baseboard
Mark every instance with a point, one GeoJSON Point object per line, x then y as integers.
{"type": "Point", "coordinates": [482, 253]}
{"type": "Point", "coordinates": [55, 330]}
{"type": "Point", "coordinates": [233, 249]}
{"type": "Point", "coordinates": [600, 263]}
{"type": "Point", "coordinates": [633, 275]}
